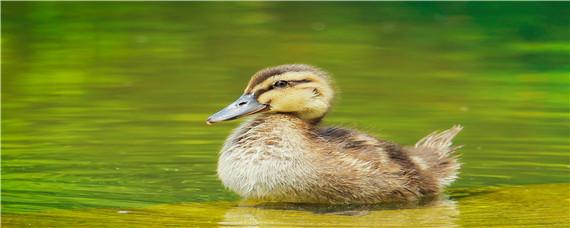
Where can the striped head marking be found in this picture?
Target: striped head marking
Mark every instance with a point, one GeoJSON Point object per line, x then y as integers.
{"type": "Point", "coordinates": [302, 90]}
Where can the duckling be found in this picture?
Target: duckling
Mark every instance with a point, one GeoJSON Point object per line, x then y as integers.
{"type": "Point", "coordinates": [283, 154]}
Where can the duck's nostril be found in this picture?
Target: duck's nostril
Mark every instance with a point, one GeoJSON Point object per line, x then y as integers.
{"type": "Point", "coordinates": [242, 103]}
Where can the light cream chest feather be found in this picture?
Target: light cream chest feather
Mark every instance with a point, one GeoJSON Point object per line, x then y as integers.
{"type": "Point", "coordinates": [265, 162]}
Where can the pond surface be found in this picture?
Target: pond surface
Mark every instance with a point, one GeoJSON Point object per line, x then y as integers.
{"type": "Point", "coordinates": [104, 105]}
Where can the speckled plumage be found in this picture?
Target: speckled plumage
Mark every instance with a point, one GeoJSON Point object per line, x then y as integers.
{"type": "Point", "coordinates": [278, 157]}
{"type": "Point", "coordinates": [283, 157]}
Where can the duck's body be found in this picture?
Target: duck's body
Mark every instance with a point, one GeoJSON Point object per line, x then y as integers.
{"type": "Point", "coordinates": [285, 157]}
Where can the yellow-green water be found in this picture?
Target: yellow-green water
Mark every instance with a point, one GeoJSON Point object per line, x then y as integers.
{"type": "Point", "coordinates": [538, 205]}
{"type": "Point", "coordinates": [104, 104]}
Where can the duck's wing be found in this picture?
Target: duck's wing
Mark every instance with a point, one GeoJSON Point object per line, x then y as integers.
{"type": "Point", "coordinates": [429, 165]}
{"type": "Point", "coordinates": [350, 139]}
{"type": "Point", "coordinates": [363, 146]}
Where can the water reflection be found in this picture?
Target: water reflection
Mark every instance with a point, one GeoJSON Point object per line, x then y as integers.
{"type": "Point", "coordinates": [545, 205]}
{"type": "Point", "coordinates": [440, 213]}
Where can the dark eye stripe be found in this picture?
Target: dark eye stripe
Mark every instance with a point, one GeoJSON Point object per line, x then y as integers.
{"type": "Point", "coordinates": [261, 91]}
{"type": "Point", "coordinates": [300, 81]}
{"type": "Point", "coordinates": [291, 83]}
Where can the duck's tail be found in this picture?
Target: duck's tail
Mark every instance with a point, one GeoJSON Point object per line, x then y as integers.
{"type": "Point", "coordinates": [434, 154]}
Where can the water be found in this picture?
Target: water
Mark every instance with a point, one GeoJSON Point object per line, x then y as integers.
{"type": "Point", "coordinates": [104, 105]}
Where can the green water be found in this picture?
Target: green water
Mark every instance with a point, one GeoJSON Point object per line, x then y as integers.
{"type": "Point", "coordinates": [104, 105]}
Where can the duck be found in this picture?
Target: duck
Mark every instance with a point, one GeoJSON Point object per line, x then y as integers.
{"type": "Point", "coordinates": [282, 153]}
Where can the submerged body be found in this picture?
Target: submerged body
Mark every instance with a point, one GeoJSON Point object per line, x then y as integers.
{"type": "Point", "coordinates": [287, 157]}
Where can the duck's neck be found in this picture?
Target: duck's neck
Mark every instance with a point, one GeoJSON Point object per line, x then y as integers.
{"type": "Point", "coordinates": [308, 119]}
{"type": "Point", "coordinates": [279, 123]}
{"type": "Point", "coordinates": [283, 122]}
{"type": "Point", "coordinates": [277, 134]}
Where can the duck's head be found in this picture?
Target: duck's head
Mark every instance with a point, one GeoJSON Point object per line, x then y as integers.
{"type": "Point", "coordinates": [301, 90]}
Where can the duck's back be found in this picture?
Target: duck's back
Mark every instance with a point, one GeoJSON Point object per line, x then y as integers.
{"type": "Point", "coordinates": [411, 172]}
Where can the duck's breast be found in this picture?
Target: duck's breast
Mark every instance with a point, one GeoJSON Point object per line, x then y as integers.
{"type": "Point", "coordinates": [266, 161]}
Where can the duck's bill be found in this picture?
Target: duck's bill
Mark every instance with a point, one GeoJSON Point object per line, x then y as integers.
{"type": "Point", "coordinates": [243, 106]}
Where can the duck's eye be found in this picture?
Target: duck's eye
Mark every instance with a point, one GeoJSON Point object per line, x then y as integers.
{"type": "Point", "coordinates": [280, 84]}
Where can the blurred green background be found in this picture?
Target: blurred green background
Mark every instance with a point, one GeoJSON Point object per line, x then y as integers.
{"type": "Point", "coordinates": [104, 104]}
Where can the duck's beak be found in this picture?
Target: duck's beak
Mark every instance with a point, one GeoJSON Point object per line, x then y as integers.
{"type": "Point", "coordinates": [243, 106]}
